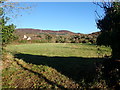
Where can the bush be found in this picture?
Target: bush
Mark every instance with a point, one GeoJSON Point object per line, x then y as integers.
{"type": "Point", "coordinates": [108, 71]}
{"type": "Point", "coordinates": [23, 41]}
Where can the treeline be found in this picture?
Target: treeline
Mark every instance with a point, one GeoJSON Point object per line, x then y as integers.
{"type": "Point", "coordinates": [51, 38]}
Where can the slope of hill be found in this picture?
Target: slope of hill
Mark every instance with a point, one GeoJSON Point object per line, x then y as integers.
{"type": "Point", "coordinates": [61, 36]}
{"type": "Point", "coordinates": [36, 31]}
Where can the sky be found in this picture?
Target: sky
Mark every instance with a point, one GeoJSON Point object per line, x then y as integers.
{"type": "Point", "coordinates": [78, 17]}
{"type": "Point", "coordinates": [55, 0]}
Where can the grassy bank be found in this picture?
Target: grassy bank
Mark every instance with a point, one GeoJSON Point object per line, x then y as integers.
{"type": "Point", "coordinates": [51, 65]}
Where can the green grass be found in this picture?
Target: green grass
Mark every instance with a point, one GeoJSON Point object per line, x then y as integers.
{"type": "Point", "coordinates": [52, 65]}
{"type": "Point", "coordinates": [59, 49]}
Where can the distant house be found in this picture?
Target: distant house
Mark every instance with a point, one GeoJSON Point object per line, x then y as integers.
{"type": "Point", "coordinates": [24, 37]}
{"type": "Point", "coordinates": [29, 38]}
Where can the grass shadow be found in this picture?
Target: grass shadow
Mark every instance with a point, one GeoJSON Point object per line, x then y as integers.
{"type": "Point", "coordinates": [75, 68]}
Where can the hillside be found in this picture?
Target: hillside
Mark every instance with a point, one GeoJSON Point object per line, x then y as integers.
{"type": "Point", "coordinates": [61, 36]}
{"type": "Point", "coordinates": [36, 31]}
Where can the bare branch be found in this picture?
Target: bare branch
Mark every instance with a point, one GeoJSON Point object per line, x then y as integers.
{"type": "Point", "coordinates": [12, 9]}
{"type": "Point", "coordinates": [97, 14]}
{"type": "Point", "coordinates": [98, 4]}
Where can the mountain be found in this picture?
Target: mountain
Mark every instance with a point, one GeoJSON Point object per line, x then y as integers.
{"type": "Point", "coordinates": [34, 33]}
{"type": "Point", "coordinates": [61, 36]}
{"type": "Point", "coordinates": [37, 31]}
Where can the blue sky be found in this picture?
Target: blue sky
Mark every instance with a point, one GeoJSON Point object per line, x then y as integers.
{"type": "Point", "coordinates": [77, 17]}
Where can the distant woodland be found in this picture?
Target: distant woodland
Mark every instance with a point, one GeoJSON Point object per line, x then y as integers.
{"type": "Point", "coordinates": [50, 36]}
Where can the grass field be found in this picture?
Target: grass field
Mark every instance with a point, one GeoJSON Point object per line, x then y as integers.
{"type": "Point", "coordinates": [53, 65]}
{"type": "Point", "coordinates": [58, 49]}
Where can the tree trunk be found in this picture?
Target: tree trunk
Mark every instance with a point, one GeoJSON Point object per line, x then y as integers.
{"type": "Point", "coordinates": [116, 51]}
{"type": "Point", "coordinates": [115, 45]}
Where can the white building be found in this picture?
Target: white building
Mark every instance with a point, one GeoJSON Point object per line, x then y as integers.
{"type": "Point", "coordinates": [29, 38]}
{"type": "Point", "coordinates": [24, 37]}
